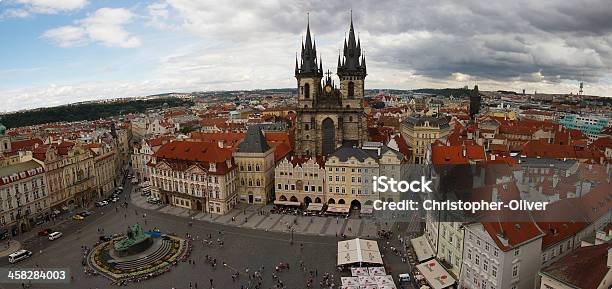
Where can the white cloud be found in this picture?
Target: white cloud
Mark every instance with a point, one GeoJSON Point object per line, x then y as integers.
{"type": "Point", "coordinates": [17, 13]}
{"type": "Point", "coordinates": [52, 6]}
{"type": "Point", "coordinates": [66, 36]}
{"type": "Point", "coordinates": [105, 26]}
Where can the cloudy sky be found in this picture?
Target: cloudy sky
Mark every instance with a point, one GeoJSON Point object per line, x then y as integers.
{"type": "Point", "coordinates": [61, 51]}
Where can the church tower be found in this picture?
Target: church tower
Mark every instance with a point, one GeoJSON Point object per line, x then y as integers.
{"type": "Point", "coordinates": [328, 117]}
{"type": "Point", "coordinates": [352, 71]}
{"type": "Point", "coordinates": [308, 73]}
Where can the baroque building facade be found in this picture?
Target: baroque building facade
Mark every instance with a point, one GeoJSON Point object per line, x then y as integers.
{"type": "Point", "coordinates": [329, 117]}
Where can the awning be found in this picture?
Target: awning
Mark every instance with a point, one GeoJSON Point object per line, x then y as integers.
{"type": "Point", "coordinates": [422, 248]}
{"type": "Point", "coordinates": [358, 251]}
{"type": "Point", "coordinates": [366, 280]}
{"type": "Point", "coordinates": [287, 203]}
{"type": "Point", "coordinates": [350, 281]}
{"type": "Point", "coordinates": [315, 207]}
{"type": "Point", "coordinates": [384, 280]}
{"type": "Point", "coordinates": [338, 208]}
{"type": "Point", "coordinates": [377, 271]}
{"type": "Point", "coordinates": [367, 210]}
{"type": "Point", "coordinates": [436, 275]}
{"type": "Point", "coordinates": [360, 271]}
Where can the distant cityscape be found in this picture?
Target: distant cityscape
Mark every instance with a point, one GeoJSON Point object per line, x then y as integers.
{"type": "Point", "coordinates": [284, 176]}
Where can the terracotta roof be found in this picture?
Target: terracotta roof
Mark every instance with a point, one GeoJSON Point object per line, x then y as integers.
{"type": "Point", "coordinates": [558, 151]}
{"type": "Point", "coordinates": [154, 142]}
{"type": "Point", "coordinates": [193, 151]}
{"type": "Point", "coordinates": [281, 151]}
{"type": "Point", "coordinates": [583, 268]}
{"type": "Point", "coordinates": [602, 143]}
{"type": "Point", "coordinates": [25, 144]}
{"type": "Point", "coordinates": [403, 146]}
{"type": "Point", "coordinates": [508, 235]}
{"type": "Point", "coordinates": [455, 154]}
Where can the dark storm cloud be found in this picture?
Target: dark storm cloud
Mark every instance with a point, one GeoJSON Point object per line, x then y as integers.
{"type": "Point", "coordinates": [524, 40]}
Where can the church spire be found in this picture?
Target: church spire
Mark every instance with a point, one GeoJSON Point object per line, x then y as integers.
{"type": "Point", "coordinates": [309, 53]}
{"type": "Point", "coordinates": [352, 62]}
{"type": "Point", "coordinates": [297, 68]}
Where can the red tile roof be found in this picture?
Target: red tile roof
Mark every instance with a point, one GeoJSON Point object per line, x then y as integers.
{"type": "Point", "coordinates": [508, 235]}
{"type": "Point", "coordinates": [557, 151]}
{"type": "Point", "coordinates": [192, 152]}
{"type": "Point", "coordinates": [584, 268]}
{"type": "Point", "coordinates": [457, 154]}
{"type": "Point", "coordinates": [26, 144]}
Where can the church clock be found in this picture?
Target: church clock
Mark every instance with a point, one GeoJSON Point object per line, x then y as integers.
{"type": "Point", "coordinates": [328, 88]}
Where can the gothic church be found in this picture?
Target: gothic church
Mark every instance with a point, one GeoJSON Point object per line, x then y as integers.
{"type": "Point", "coordinates": [329, 117]}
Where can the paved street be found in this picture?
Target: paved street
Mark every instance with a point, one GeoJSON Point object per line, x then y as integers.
{"type": "Point", "coordinates": [247, 243]}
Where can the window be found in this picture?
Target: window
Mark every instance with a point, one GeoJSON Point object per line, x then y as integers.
{"type": "Point", "coordinates": [485, 264]}
{"type": "Point", "coordinates": [469, 254]}
{"type": "Point", "coordinates": [351, 89]}
{"type": "Point", "coordinates": [306, 90]}
{"type": "Point", "coordinates": [515, 270]}
{"type": "Point", "coordinates": [517, 252]}
{"type": "Point", "coordinates": [494, 271]}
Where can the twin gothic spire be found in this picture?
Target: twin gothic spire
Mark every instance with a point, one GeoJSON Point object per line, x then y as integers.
{"type": "Point", "coordinates": [352, 62]}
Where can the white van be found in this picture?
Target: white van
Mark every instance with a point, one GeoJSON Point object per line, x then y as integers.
{"type": "Point", "coordinates": [404, 277]}
{"type": "Point", "coordinates": [54, 235]}
{"type": "Point", "coordinates": [19, 255]}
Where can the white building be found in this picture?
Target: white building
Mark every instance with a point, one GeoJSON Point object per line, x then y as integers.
{"type": "Point", "coordinates": [501, 255]}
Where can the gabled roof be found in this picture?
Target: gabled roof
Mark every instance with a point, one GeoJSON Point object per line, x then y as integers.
{"type": "Point", "coordinates": [508, 235]}
{"type": "Point", "coordinates": [457, 154]}
{"type": "Point", "coordinates": [583, 268]}
{"type": "Point", "coordinates": [26, 144]}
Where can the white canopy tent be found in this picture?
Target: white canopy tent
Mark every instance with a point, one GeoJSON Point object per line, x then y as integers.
{"type": "Point", "coordinates": [358, 251]}
{"type": "Point", "coordinates": [422, 248]}
{"type": "Point", "coordinates": [435, 274]}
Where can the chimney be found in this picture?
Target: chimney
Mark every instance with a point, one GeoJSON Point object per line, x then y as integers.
{"type": "Point", "coordinates": [464, 151]}
{"type": "Point", "coordinates": [220, 143]}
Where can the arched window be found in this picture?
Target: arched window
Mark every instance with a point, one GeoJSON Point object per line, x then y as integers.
{"type": "Point", "coordinates": [306, 90]}
{"type": "Point", "coordinates": [351, 89]}
{"type": "Point", "coordinates": [257, 168]}
{"type": "Point", "coordinates": [258, 183]}
{"type": "Point", "coordinates": [306, 127]}
{"type": "Point", "coordinates": [351, 118]}
{"type": "Point", "coordinates": [250, 183]}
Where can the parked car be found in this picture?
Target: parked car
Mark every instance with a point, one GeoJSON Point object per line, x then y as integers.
{"type": "Point", "coordinates": [85, 213]}
{"type": "Point", "coordinates": [19, 255]}
{"type": "Point", "coordinates": [55, 235]}
{"type": "Point", "coordinates": [78, 217]}
{"type": "Point", "coordinates": [44, 232]}
{"type": "Point", "coordinates": [102, 203]}
{"type": "Point", "coordinates": [154, 201]}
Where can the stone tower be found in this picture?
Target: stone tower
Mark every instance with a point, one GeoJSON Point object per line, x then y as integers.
{"type": "Point", "coordinates": [328, 117]}
{"type": "Point", "coordinates": [475, 99]}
